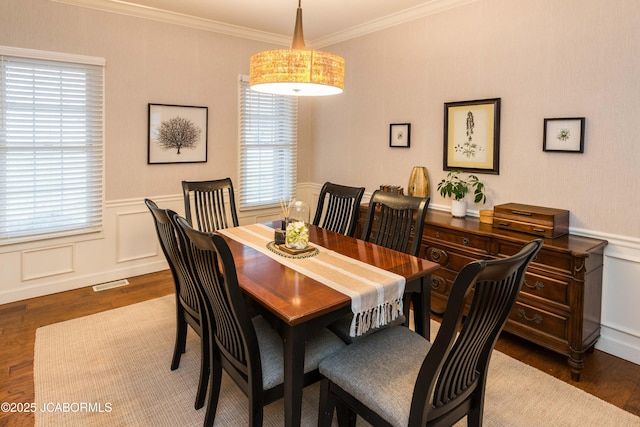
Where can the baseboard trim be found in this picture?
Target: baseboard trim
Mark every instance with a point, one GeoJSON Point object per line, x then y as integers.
{"type": "Point", "coordinates": [54, 287]}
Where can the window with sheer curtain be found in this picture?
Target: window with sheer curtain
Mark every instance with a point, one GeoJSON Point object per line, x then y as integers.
{"type": "Point", "coordinates": [51, 144]}
{"type": "Point", "coordinates": [268, 147]}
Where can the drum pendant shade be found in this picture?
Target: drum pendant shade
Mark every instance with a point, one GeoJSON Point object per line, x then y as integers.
{"type": "Point", "coordinates": [297, 71]}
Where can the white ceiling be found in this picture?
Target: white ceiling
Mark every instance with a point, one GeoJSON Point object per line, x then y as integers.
{"type": "Point", "coordinates": [324, 21]}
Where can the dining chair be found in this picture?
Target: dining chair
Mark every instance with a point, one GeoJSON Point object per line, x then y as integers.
{"type": "Point", "coordinates": [394, 221]}
{"type": "Point", "coordinates": [397, 378]}
{"type": "Point", "coordinates": [338, 207]}
{"type": "Point", "coordinates": [210, 204]}
{"type": "Point", "coordinates": [247, 348]}
{"type": "Point", "coordinates": [189, 308]}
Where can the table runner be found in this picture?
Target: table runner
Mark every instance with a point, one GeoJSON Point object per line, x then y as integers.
{"type": "Point", "coordinates": [376, 294]}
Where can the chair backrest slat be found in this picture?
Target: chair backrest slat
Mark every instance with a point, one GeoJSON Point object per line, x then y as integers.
{"type": "Point", "coordinates": [210, 205]}
{"type": "Point", "coordinates": [341, 213]}
{"type": "Point", "coordinates": [396, 221]}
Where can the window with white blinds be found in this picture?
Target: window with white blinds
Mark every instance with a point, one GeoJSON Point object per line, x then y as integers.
{"type": "Point", "coordinates": [268, 147]}
{"type": "Point", "coordinates": [51, 147]}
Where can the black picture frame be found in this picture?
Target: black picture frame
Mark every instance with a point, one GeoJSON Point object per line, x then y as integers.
{"type": "Point", "coordinates": [400, 135]}
{"type": "Point", "coordinates": [472, 136]}
{"type": "Point", "coordinates": [564, 135]}
{"type": "Point", "coordinates": [193, 123]}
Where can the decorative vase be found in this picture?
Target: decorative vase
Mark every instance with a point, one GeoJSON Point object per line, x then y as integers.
{"type": "Point", "coordinates": [459, 208]}
{"type": "Point", "coordinates": [297, 232]}
{"type": "Point", "coordinates": [419, 182]}
{"type": "Point", "coordinates": [299, 211]}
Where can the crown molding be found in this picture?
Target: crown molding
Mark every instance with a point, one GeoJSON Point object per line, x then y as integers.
{"type": "Point", "coordinates": [125, 8]}
{"type": "Point", "coordinates": [154, 14]}
{"type": "Point", "coordinates": [430, 7]}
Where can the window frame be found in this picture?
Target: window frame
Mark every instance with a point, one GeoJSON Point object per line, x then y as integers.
{"type": "Point", "coordinates": [95, 151]}
{"type": "Point", "coordinates": [283, 190]}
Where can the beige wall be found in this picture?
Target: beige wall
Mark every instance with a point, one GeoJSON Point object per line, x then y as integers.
{"type": "Point", "coordinates": [543, 58]}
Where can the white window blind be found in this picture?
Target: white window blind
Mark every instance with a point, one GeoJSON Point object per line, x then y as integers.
{"type": "Point", "coordinates": [51, 148]}
{"type": "Point", "coordinates": [268, 147]}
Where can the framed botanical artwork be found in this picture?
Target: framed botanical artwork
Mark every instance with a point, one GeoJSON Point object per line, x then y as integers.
{"type": "Point", "coordinates": [177, 134]}
{"type": "Point", "coordinates": [400, 135]}
{"type": "Point", "coordinates": [472, 136]}
{"type": "Point", "coordinates": [566, 135]}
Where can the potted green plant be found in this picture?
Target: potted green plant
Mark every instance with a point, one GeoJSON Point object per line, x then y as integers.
{"type": "Point", "coordinates": [457, 187]}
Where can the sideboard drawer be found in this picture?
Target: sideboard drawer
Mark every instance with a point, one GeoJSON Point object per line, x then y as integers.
{"type": "Point", "coordinates": [449, 257]}
{"type": "Point", "coordinates": [540, 320]}
{"type": "Point", "coordinates": [545, 259]}
{"type": "Point", "coordinates": [545, 287]}
{"type": "Point", "coordinates": [524, 227]}
{"type": "Point", "coordinates": [471, 241]}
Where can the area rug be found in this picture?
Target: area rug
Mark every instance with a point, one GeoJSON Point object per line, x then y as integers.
{"type": "Point", "coordinates": [112, 369]}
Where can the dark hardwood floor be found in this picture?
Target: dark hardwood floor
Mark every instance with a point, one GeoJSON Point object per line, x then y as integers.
{"type": "Point", "coordinates": [605, 376]}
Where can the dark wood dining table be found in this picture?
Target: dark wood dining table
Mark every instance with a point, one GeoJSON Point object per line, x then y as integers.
{"type": "Point", "coordinates": [302, 306]}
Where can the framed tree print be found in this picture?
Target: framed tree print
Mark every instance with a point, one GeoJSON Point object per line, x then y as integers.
{"type": "Point", "coordinates": [177, 134]}
{"type": "Point", "coordinates": [472, 136]}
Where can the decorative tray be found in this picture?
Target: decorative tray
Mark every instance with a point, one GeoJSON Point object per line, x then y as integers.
{"type": "Point", "coordinates": [283, 250]}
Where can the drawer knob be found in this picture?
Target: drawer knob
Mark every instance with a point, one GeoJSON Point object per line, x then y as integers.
{"type": "Point", "coordinates": [437, 255]}
{"type": "Point", "coordinates": [466, 241]}
{"type": "Point", "coordinates": [438, 283]}
{"type": "Point", "coordinates": [437, 234]}
{"type": "Point", "coordinates": [537, 319]}
{"type": "Point", "coordinates": [538, 285]}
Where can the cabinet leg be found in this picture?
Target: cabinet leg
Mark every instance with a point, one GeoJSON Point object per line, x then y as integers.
{"type": "Point", "coordinates": [576, 364]}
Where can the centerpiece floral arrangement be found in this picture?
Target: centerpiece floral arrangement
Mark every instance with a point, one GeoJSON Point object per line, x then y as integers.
{"type": "Point", "coordinates": [297, 235]}
{"type": "Point", "coordinates": [296, 231]}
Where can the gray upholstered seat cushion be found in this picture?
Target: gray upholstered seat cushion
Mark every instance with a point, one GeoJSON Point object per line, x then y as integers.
{"type": "Point", "coordinates": [342, 326]}
{"type": "Point", "coordinates": [380, 370]}
{"type": "Point", "coordinates": [271, 352]}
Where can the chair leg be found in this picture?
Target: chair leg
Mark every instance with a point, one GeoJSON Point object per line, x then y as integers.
{"type": "Point", "coordinates": [215, 379]}
{"type": "Point", "coordinates": [326, 405]}
{"type": "Point", "coordinates": [406, 306]}
{"type": "Point", "coordinates": [474, 419]}
{"type": "Point", "coordinates": [475, 415]}
{"type": "Point", "coordinates": [181, 340]}
{"type": "Point", "coordinates": [255, 416]}
{"type": "Point", "coordinates": [205, 363]}
{"type": "Point", "coordinates": [346, 417]}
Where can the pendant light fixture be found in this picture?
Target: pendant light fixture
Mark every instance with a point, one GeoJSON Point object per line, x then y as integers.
{"type": "Point", "coordinates": [297, 71]}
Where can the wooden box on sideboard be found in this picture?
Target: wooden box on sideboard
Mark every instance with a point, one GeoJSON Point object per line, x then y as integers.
{"type": "Point", "coordinates": [536, 220]}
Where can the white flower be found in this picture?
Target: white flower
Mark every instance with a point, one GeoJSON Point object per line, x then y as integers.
{"type": "Point", "coordinates": [297, 235]}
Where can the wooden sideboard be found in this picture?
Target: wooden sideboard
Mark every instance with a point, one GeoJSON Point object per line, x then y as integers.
{"type": "Point", "coordinates": [560, 301]}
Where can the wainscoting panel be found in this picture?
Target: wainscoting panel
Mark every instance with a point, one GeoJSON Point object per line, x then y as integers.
{"type": "Point", "coordinates": [47, 261]}
{"type": "Point", "coordinates": [621, 295]}
{"type": "Point", "coordinates": [136, 236]}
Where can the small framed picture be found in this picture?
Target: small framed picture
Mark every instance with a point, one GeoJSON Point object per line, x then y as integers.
{"type": "Point", "coordinates": [177, 134]}
{"type": "Point", "coordinates": [565, 135]}
{"type": "Point", "coordinates": [400, 135]}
